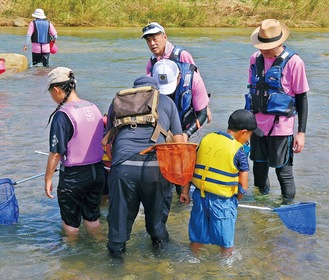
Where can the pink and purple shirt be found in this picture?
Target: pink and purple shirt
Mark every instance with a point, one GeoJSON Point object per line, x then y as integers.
{"type": "Point", "coordinates": [200, 97]}
{"type": "Point", "coordinates": [37, 47]}
{"type": "Point", "coordinates": [294, 82]}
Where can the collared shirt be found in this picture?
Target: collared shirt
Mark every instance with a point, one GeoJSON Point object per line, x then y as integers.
{"type": "Point", "coordinates": [200, 97]}
{"type": "Point", "coordinates": [294, 82]}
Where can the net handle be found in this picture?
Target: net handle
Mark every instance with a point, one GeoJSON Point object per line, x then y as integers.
{"type": "Point", "coordinates": [31, 178]}
{"type": "Point", "coordinates": [255, 207]}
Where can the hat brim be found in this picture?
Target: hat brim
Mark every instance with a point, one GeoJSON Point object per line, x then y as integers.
{"type": "Point", "coordinates": [267, 46]}
{"type": "Point", "coordinates": [40, 17]}
{"type": "Point", "coordinates": [46, 88]}
{"type": "Point", "coordinates": [152, 31]}
{"type": "Point", "coordinates": [258, 132]}
{"type": "Point", "coordinates": [167, 88]}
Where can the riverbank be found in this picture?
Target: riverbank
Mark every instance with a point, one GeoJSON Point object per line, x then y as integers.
{"type": "Point", "coordinates": [171, 13]}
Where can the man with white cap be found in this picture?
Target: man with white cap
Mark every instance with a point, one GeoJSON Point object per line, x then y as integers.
{"type": "Point", "coordinates": [277, 92]}
{"type": "Point", "coordinates": [156, 39]}
{"type": "Point", "coordinates": [172, 79]}
{"type": "Point", "coordinates": [40, 32]}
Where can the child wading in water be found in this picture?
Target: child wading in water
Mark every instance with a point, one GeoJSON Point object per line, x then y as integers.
{"type": "Point", "coordinates": [221, 180]}
{"type": "Point", "coordinates": [75, 139]}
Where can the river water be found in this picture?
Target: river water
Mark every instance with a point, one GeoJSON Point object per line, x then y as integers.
{"type": "Point", "coordinates": [107, 60]}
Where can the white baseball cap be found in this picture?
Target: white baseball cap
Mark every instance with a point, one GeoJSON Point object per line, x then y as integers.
{"type": "Point", "coordinates": [152, 28]}
{"type": "Point", "coordinates": [165, 73]}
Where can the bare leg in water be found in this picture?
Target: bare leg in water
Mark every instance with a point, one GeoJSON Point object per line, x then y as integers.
{"type": "Point", "coordinates": [195, 249]}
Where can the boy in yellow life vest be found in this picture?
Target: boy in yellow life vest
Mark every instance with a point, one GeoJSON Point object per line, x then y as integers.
{"type": "Point", "coordinates": [221, 179]}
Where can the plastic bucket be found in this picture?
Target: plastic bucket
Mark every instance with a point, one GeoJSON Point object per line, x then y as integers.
{"type": "Point", "coordinates": [53, 47]}
{"type": "Point", "coordinates": [177, 161]}
{"type": "Point", "coordinates": [2, 65]}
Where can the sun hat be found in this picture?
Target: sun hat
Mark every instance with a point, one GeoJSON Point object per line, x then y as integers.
{"type": "Point", "coordinates": [244, 119]}
{"type": "Point", "coordinates": [270, 34]}
{"type": "Point", "coordinates": [39, 13]}
{"type": "Point", "coordinates": [152, 28]}
{"type": "Point", "coordinates": [145, 81]}
{"type": "Point", "coordinates": [58, 75]}
{"type": "Point", "coordinates": [165, 73]}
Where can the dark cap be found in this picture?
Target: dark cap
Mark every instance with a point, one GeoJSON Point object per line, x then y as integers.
{"type": "Point", "coordinates": [243, 119]}
{"type": "Point", "coordinates": [145, 81]}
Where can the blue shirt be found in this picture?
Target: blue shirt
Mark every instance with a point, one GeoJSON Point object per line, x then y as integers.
{"type": "Point", "coordinates": [61, 131]}
{"type": "Point", "coordinates": [130, 141]}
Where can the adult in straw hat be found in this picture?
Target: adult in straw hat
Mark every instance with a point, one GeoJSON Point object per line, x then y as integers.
{"type": "Point", "coordinates": [277, 94]}
{"type": "Point", "coordinates": [41, 32]}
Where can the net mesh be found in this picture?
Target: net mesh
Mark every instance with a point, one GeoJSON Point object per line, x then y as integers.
{"type": "Point", "coordinates": [299, 217]}
{"type": "Point", "coordinates": [177, 161]}
{"type": "Point", "coordinates": [8, 203]}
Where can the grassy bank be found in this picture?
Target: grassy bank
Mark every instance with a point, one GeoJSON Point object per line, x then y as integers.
{"type": "Point", "coordinates": [174, 13]}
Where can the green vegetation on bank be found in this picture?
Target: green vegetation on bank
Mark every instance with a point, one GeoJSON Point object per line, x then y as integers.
{"type": "Point", "coordinates": [173, 13]}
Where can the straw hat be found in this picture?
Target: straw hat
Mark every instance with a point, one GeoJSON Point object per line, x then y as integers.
{"type": "Point", "coordinates": [269, 35]}
{"type": "Point", "coordinates": [39, 13]}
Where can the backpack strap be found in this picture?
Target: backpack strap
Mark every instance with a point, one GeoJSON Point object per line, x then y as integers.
{"type": "Point", "coordinates": [108, 136]}
{"type": "Point", "coordinates": [159, 129]}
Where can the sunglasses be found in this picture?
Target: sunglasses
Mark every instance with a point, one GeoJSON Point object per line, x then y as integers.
{"type": "Point", "coordinates": [150, 26]}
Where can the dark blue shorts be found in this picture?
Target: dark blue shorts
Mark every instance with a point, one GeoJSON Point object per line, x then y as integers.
{"type": "Point", "coordinates": [79, 192]}
{"type": "Point", "coordinates": [213, 219]}
{"type": "Point", "coordinates": [276, 150]}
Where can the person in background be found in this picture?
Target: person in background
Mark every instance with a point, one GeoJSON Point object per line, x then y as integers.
{"type": "Point", "coordinates": [221, 180]}
{"type": "Point", "coordinates": [75, 139]}
{"type": "Point", "coordinates": [40, 32]}
{"type": "Point", "coordinates": [136, 178]}
{"type": "Point", "coordinates": [278, 92]}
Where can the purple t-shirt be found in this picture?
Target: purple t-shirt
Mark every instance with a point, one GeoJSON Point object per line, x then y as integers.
{"type": "Point", "coordinates": [200, 97]}
{"type": "Point", "coordinates": [294, 82]}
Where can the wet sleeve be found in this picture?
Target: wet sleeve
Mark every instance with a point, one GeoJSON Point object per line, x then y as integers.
{"type": "Point", "coordinates": [61, 132]}
{"type": "Point", "coordinates": [302, 111]}
{"type": "Point", "coordinates": [201, 117]}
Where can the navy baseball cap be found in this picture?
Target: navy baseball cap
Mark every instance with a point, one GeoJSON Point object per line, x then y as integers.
{"type": "Point", "coordinates": [244, 119]}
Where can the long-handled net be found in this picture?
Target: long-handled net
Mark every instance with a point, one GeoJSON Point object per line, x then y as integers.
{"type": "Point", "coordinates": [8, 203]}
{"type": "Point", "coordinates": [299, 217]}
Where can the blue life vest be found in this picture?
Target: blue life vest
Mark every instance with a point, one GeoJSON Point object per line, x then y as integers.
{"type": "Point", "coordinates": [183, 94]}
{"type": "Point", "coordinates": [41, 32]}
{"type": "Point", "coordinates": [266, 94]}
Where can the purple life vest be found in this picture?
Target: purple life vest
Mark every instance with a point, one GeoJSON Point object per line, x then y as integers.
{"type": "Point", "coordinates": [85, 145]}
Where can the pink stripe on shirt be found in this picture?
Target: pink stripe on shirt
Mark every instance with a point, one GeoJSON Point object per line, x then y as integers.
{"type": "Point", "coordinates": [37, 47]}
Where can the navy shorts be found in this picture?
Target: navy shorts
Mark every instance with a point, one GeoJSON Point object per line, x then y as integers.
{"type": "Point", "coordinates": [79, 192]}
{"type": "Point", "coordinates": [213, 219]}
{"type": "Point", "coordinates": [276, 150]}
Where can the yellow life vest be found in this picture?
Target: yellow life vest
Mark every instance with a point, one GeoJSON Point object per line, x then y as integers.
{"type": "Point", "coordinates": [215, 171]}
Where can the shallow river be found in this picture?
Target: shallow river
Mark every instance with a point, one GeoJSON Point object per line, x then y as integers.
{"type": "Point", "coordinates": [107, 60]}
